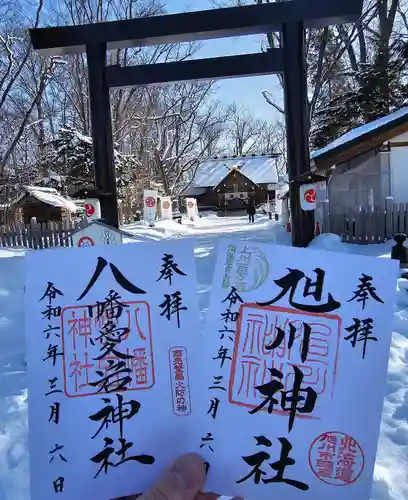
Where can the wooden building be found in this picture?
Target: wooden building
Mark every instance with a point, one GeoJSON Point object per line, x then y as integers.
{"type": "Point", "coordinates": [45, 204]}
{"type": "Point", "coordinates": [226, 183]}
{"type": "Point", "coordinates": [365, 198]}
{"type": "Point", "coordinates": [366, 165]}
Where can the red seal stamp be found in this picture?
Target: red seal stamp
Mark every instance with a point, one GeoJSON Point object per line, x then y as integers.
{"type": "Point", "coordinates": [80, 355]}
{"type": "Point", "coordinates": [257, 329]}
{"type": "Point", "coordinates": [166, 205]}
{"type": "Point", "coordinates": [180, 385]}
{"type": "Point", "coordinates": [336, 458]}
{"type": "Point", "coordinates": [190, 204]}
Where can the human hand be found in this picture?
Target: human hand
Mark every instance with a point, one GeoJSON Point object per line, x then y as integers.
{"type": "Point", "coordinates": [182, 481]}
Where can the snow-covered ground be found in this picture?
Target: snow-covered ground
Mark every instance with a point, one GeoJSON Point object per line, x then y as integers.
{"type": "Point", "coordinates": [391, 472]}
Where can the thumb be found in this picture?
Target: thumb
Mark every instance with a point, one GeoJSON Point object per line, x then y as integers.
{"type": "Point", "coordinates": [182, 481]}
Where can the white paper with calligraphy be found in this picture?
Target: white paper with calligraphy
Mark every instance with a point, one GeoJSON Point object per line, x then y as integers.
{"type": "Point", "coordinates": [100, 320]}
{"type": "Point", "coordinates": [293, 391]}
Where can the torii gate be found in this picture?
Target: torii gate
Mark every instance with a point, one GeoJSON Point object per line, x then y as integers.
{"type": "Point", "coordinates": [290, 18]}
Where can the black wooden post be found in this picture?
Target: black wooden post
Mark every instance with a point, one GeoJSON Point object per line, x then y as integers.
{"type": "Point", "coordinates": [297, 129]}
{"type": "Point", "coordinates": [104, 164]}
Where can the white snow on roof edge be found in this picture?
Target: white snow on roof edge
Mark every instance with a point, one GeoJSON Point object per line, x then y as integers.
{"type": "Point", "coordinates": [360, 131]}
{"type": "Point", "coordinates": [54, 199]}
{"type": "Point", "coordinates": [259, 169]}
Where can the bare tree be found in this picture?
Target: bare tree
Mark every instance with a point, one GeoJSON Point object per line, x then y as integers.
{"type": "Point", "coordinates": [182, 128]}
{"type": "Point", "coordinates": [244, 130]}
{"type": "Point", "coordinates": [245, 134]}
{"type": "Point", "coordinates": [166, 131]}
{"type": "Point", "coordinates": [338, 54]}
{"type": "Point", "coordinates": [23, 79]}
{"type": "Point", "coordinates": [70, 89]}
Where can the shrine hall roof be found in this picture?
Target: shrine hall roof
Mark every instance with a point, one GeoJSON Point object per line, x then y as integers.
{"type": "Point", "coordinates": [259, 169]}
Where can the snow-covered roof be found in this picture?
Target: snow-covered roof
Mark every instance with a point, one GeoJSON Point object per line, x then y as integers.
{"type": "Point", "coordinates": [193, 191]}
{"type": "Point", "coordinates": [49, 196]}
{"type": "Point", "coordinates": [259, 169]}
{"type": "Point", "coordinates": [40, 188]}
{"type": "Point", "coordinates": [358, 133]}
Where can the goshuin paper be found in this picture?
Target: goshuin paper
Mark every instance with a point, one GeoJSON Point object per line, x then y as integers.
{"type": "Point", "coordinates": [294, 361]}
{"type": "Point", "coordinates": [110, 340]}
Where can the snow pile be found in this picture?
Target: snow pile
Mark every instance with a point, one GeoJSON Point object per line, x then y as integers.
{"type": "Point", "coordinates": [14, 467]}
{"type": "Point", "coordinates": [390, 476]}
{"type": "Point", "coordinates": [10, 252]}
{"type": "Point", "coordinates": [333, 243]}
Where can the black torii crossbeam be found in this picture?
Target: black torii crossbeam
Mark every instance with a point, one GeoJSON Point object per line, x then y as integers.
{"type": "Point", "coordinates": [289, 17]}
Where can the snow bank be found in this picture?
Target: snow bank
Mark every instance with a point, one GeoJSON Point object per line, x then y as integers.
{"type": "Point", "coordinates": [13, 397]}
{"type": "Point", "coordinates": [333, 243]}
{"type": "Point", "coordinates": [10, 252]}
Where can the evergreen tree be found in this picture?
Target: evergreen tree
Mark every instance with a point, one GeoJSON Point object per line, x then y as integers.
{"type": "Point", "coordinates": [67, 164]}
{"type": "Point", "coordinates": [372, 87]}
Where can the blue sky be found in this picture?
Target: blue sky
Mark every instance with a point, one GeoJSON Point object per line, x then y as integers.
{"type": "Point", "coordinates": [245, 91]}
